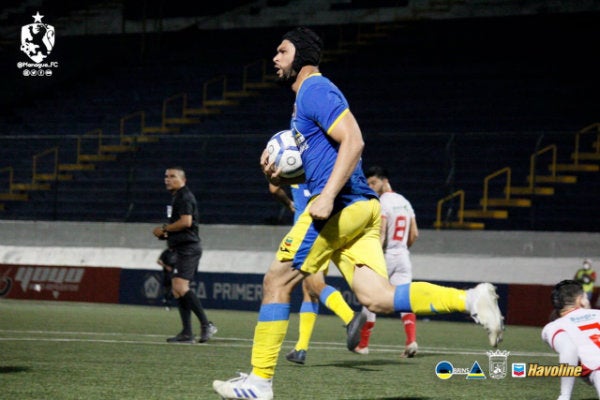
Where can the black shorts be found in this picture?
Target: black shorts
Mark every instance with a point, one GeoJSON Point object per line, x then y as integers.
{"type": "Point", "coordinates": [187, 261]}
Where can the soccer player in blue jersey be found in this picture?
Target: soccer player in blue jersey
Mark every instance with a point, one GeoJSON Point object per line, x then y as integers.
{"type": "Point", "coordinates": [314, 287]}
{"type": "Point", "coordinates": [341, 223]}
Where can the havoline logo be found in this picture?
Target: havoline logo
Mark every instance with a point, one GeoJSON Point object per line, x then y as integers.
{"type": "Point", "coordinates": [564, 369]}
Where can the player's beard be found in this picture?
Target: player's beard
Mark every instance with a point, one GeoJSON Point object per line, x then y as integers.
{"type": "Point", "coordinates": [287, 79]}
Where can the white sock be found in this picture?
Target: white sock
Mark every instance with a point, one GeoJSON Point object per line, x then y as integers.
{"type": "Point", "coordinates": [470, 300]}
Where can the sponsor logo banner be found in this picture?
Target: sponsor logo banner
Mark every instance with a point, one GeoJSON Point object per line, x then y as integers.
{"type": "Point", "coordinates": [63, 283]}
{"type": "Point", "coordinates": [215, 290]}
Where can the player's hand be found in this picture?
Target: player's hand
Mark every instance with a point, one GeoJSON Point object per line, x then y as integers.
{"type": "Point", "coordinates": [321, 207]}
{"type": "Point", "coordinates": [268, 168]}
{"type": "Point", "coordinates": [159, 233]}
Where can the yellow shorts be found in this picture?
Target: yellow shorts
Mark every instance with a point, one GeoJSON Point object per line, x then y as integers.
{"type": "Point", "coordinates": [349, 237]}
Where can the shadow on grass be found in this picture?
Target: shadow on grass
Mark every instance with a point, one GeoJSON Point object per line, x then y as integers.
{"type": "Point", "coordinates": [396, 398]}
{"type": "Point", "coordinates": [12, 369]}
{"type": "Point", "coordinates": [363, 365]}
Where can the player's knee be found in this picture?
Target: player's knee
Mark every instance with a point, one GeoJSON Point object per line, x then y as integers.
{"type": "Point", "coordinates": [180, 286]}
{"type": "Point", "coordinates": [314, 288]}
{"type": "Point", "coordinates": [277, 281]}
{"type": "Point", "coordinates": [378, 308]}
{"type": "Point", "coordinates": [372, 303]}
{"type": "Point", "coordinates": [376, 294]}
{"type": "Point", "coordinates": [269, 283]}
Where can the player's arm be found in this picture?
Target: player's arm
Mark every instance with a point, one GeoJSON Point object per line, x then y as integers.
{"type": "Point", "coordinates": [347, 133]}
{"type": "Point", "coordinates": [567, 354]}
{"type": "Point", "coordinates": [413, 232]}
{"type": "Point", "coordinates": [281, 196]}
{"type": "Point", "coordinates": [184, 222]}
{"type": "Point", "coordinates": [558, 339]}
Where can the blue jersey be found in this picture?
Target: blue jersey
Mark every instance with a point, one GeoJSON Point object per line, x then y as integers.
{"type": "Point", "coordinates": [319, 106]}
{"type": "Point", "coordinates": [301, 195]}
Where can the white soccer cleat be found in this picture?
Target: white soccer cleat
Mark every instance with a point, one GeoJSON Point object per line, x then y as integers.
{"type": "Point", "coordinates": [410, 350]}
{"type": "Point", "coordinates": [361, 350]}
{"type": "Point", "coordinates": [485, 311]}
{"type": "Point", "coordinates": [241, 388]}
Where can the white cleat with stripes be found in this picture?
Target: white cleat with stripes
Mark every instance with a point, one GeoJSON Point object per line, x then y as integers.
{"type": "Point", "coordinates": [242, 388]}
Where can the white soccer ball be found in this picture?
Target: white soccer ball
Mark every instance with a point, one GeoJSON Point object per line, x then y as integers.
{"type": "Point", "coordinates": [283, 151]}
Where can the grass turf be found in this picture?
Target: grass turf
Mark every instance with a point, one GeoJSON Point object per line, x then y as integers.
{"type": "Point", "coordinates": [54, 350]}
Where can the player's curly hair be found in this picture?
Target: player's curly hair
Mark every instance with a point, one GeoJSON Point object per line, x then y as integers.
{"type": "Point", "coordinates": [565, 293]}
{"type": "Point", "coordinates": [377, 171]}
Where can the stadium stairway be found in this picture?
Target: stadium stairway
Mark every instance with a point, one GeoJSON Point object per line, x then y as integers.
{"type": "Point", "coordinates": [557, 190]}
{"type": "Point", "coordinates": [224, 176]}
{"type": "Point", "coordinates": [118, 90]}
{"type": "Point", "coordinates": [406, 107]}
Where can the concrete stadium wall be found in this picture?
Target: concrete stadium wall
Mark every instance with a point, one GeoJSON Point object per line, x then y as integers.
{"type": "Point", "coordinates": [116, 262]}
{"type": "Point", "coordinates": [501, 257]}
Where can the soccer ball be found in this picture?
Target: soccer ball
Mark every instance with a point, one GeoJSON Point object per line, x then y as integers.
{"type": "Point", "coordinates": [283, 151]}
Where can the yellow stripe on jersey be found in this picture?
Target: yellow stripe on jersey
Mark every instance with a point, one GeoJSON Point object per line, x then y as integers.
{"type": "Point", "coordinates": [338, 119]}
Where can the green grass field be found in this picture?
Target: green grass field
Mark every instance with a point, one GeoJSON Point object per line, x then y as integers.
{"type": "Point", "coordinates": [53, 350]}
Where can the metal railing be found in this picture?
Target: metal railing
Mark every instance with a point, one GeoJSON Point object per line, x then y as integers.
{"type": "Point", "coordinates": [486, 185]}
{"type": "Point", "coordinates": [11, 172]}
{"type": "Point", "coordinates": [461, 209]}
{"type": "Point", "coordinates": [95, 135]}
{"type": "Point", "coordinates": [588, 129]}
{"type": "Point", "coordinates": [37, 160]}
{"type": "Point", "coordinates": [532, 163]}
{"type": "Point", "coordinates": [123, 131]}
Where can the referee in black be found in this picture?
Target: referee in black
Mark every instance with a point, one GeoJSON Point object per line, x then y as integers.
{"type": "Point", "coordinates": [181, 234]}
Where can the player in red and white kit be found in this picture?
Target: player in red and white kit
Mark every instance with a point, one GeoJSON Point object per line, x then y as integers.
{"type": "Point", "coordinates": [575, 334]}
{"type": "Point", "coordinates": [398, 232]}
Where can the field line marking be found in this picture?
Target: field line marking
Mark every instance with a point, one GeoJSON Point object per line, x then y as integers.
{"type": "Point", "coordinates": [238, 342]}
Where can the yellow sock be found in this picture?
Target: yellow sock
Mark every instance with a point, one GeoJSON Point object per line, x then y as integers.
{"type": "Point", "coordinates": [308, 318]}
{"type": "Point", "coordinates": [273, 321]}
{"type": "Point", "coordinates": [334, 300]}
{"type": "Point", "coordinates": [427, 298]}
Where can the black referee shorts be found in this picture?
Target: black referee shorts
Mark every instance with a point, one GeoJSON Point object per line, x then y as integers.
{"type": "Point", "coordinates": [187, 261]}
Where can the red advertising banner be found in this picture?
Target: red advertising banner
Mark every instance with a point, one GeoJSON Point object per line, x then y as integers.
{"type": "Point", "coordinates": [61, 283]}
{"type": "Point", "coordinates": [529, 305]}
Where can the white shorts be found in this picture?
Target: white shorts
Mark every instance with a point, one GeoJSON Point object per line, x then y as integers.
{"type": "Point", "coordinates": [399, 268]}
